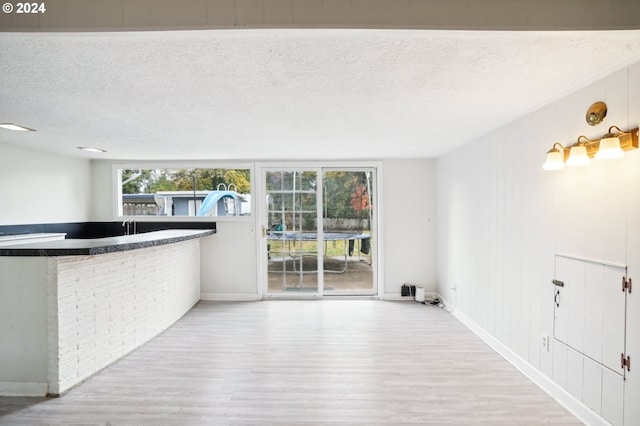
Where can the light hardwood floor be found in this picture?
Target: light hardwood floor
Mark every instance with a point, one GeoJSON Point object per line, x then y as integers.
{"type": "Point", "coordinates": [303, 362]}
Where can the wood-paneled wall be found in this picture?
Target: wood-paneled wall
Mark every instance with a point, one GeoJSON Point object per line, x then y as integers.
{"type": "Point", "coordinates": [502, 219]}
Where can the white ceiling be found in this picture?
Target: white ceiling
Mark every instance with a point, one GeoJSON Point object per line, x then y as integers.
{"type": "Point", "coordinates": [288, 94]}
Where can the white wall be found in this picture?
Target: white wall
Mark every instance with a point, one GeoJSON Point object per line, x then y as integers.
{"type": "Point", "coordinates": [229, 267]}
{"type": "Point", "coordinates": [228, 264]}
{"type": "Point", "coordinates": [40, 187]}
{"type": "Point", "coordinates": [502, 219]}
{"type": "Point", "coordinates": [408, 225]}
{"type": "Point", "coordinates": [23, 326]}
{"type": "Point", "coordinates": [102, 202]}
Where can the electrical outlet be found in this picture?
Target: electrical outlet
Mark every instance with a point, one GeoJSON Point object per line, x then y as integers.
{"type": "Point", "coordinates": [545, 342]}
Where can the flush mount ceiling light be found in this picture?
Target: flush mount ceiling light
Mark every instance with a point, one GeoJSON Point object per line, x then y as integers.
{"type": "Point", "coordinates": [13, 126]}
{"type": "Point", "coordinates": [610, 146]}
{"type": "Point", "coordinates": [90, 149]}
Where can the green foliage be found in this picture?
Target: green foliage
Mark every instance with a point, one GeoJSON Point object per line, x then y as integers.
{"type": "Point", "coordinates": [151, 181]}
{"type": "Point", "coordinates": [162, 183]}
{"type": "Point", "coordinates": [136, 185]}
{"type": "Point", "coordinates": [345, 195]}
{"type": "Point", "coordinates": [241, 178]}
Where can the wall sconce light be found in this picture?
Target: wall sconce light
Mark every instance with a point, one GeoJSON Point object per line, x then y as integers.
{"type": "Point", "coordinates": [555, 158]}
{"type": "Point", "coordinates": [610, 146]}
{"type": "Point", "coordinates": [578, 155]}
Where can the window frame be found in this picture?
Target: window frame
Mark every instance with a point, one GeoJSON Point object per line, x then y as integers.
{"type": "Point", "coordinates": [116, 196]}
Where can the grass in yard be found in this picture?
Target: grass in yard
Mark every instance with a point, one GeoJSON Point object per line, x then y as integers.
{"type": "Point", "coordinates": [331, 248]}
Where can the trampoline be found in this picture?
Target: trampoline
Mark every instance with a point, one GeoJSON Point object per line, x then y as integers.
{"type": "Point", "coordinates": [361, 243]}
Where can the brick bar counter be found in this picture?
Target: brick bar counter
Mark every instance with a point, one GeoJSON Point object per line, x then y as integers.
{"type": "Point", "coordinates": [69, 308]}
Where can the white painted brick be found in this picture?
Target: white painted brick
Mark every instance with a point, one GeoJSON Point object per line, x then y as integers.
{"type": "Point", "coordinates": [102, 307]}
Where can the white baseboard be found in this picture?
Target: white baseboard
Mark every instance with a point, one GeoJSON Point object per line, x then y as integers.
{"type": "Point", "coordinates": [447, 306]}
{"type": "Point", "coordinates": [243, 297]}
{"type": "Point", "coordinates": [230, 297]}
{"type": "Point", "coordinates": [395, 297]}
{"type": "Point", "coordinates": [398, 296]}
{"type": "Point", "coordinates": [577, 408]}
{"type": "Point", "coordinates": [23, 389]}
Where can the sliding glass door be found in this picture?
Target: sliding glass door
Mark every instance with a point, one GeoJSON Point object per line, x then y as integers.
{"type": "Point", "coordinates": [318, 234]}
{"type": "Point", "coordinates": [347, 220]}
{"type": "Point", "coordinates": [292, 231]}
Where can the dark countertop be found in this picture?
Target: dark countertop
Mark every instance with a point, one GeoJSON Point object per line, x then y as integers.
{"type": "Point", "coordinates": [90, 247]}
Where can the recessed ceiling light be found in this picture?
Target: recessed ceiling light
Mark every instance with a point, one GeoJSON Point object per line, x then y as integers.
{"type": "Point", "coordinates": [91, 149]}
{"type": "Point", "coordinates": [11, 126]}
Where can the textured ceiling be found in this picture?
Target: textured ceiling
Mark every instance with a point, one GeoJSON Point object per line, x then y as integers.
{"type": "Point", "coordinates": [288, 94]}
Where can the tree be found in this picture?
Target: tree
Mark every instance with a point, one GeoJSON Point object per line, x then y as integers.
{"type": "Point", "coordinates": [162, 182]}
{"type": "Point", "coordinates": [240, 178]}
{"type": "Point", "coordinates": [141, 179]}
{"type": "Point", "coordinates": [339, 190]}
{"type": "Point", "coordinates": [360, 199]}
{"type": "Point", "coordinates": [151, 181]}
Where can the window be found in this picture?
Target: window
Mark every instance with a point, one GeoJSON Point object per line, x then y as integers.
{"type": "Point", "coordinates": [184, 192]}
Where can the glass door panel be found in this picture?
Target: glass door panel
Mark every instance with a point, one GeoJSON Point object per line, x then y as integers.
{"type": "Point", "coordinates": [293, 251]}
{"type": "Point", "coordinates": [348, 214]}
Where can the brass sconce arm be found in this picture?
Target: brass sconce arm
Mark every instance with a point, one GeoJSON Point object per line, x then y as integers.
{"type": "Point", "coordinates": [610, 133]}
{"type": "Point", "coordinates": [591, 145]}
{"type": "Point", "coordinates": [628, 140]}
{"type": "Point", "coordinates": [560, 147]}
